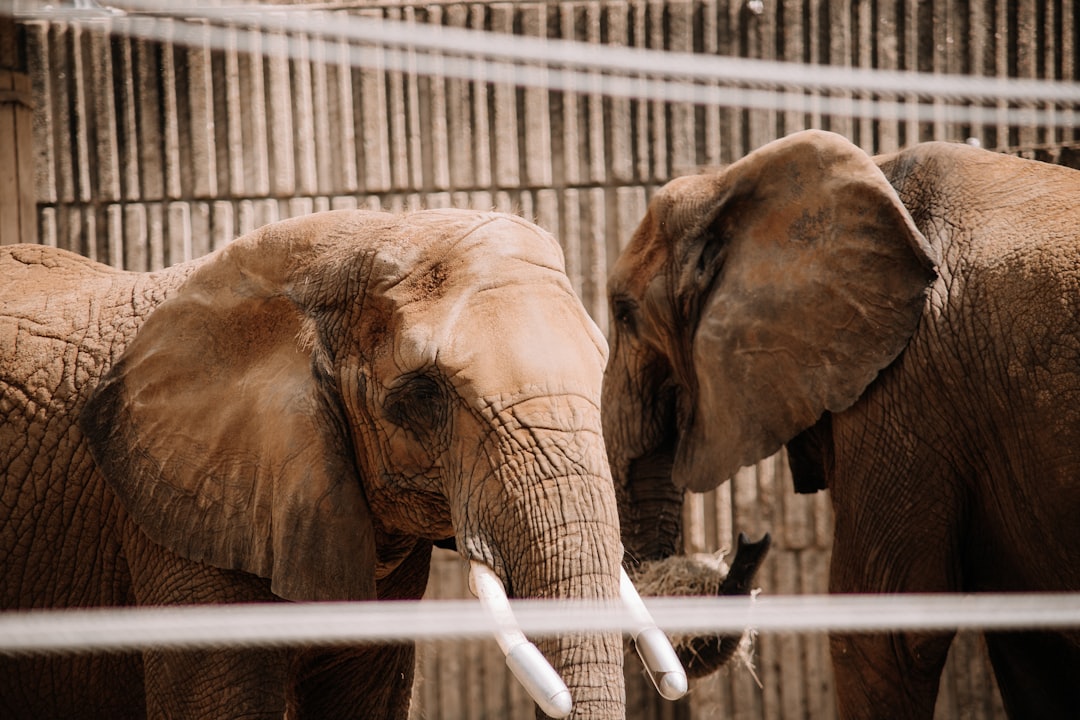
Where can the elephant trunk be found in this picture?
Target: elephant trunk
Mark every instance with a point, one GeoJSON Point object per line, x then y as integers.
{"type": "Point", "coordinates": [577, 557]}
{"type": "Point", "coordinates": [544, 519]}
{"type": "Point", "coordinates": [651, 511]}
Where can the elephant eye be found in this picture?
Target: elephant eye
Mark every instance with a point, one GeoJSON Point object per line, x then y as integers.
{"type": "Point", "coordinates": [417, 404]}
{"type": "Point", "coordinates": [624, 310]}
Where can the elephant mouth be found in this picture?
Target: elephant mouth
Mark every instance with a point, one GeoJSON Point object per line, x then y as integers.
{"type": "Point", "coordinates": [704, 576]}
{"type": "Point", "coordinates": [532, 669]}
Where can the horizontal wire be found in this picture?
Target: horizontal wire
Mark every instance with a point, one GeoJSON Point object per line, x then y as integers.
{"type": "Point", "coordinates": [276, 624]}
{"type": "Point", "coordinates": [607, 70]}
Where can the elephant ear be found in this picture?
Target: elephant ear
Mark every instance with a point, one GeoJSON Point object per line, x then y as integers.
{"type": "Point", "coordinates": [806, 277]}
{"type": "Point", "coordinates": [223, 439]}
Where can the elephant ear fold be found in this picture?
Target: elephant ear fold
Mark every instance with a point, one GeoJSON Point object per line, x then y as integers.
{"type": "Point", "coordinates": [223, 440]}
{"type": "Point", "coordinates": [816, 282]}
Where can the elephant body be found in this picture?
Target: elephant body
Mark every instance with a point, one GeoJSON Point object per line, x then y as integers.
{"type": "Point", "coordinates": [298, 416]}
{"type": "Point", "coordinates": [908, 328]}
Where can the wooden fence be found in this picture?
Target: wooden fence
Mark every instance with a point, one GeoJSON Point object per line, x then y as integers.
{"type": "Point", "coordinates": [149, 152]}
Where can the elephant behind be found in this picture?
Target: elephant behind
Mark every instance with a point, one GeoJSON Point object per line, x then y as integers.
{"type": "Point", "coordinates": [908, 328]}
{"type": "Point", "coordinates": [298, 416]}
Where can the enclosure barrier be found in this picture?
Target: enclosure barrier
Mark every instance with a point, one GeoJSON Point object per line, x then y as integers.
{"type": "Point", "coordinates": [276, 624]}
{"type": "Point", "coordinates": [155, 148]}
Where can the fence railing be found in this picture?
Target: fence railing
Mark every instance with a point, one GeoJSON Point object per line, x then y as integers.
{"type": "Point", "coordinates": [150, 151]}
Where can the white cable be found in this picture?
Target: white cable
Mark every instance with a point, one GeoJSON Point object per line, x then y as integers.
{"type": "Point", "coordinates": [592, 68]}
{"type": "Point", "coordinates": [286, 623]}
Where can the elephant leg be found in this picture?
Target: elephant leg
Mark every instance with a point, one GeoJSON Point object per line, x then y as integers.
{"type": "Point", "coordinates": [367, 681]}
{"type": "Point", "coordinates": [207, 682]}
{"type": "Point", "coordinates": [890, 546]}
{"type": "Point", "coordinates": [1036, 673]}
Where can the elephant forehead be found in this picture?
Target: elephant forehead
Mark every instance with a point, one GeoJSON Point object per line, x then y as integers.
{"type": "Point", "coordinates": [505, 339]}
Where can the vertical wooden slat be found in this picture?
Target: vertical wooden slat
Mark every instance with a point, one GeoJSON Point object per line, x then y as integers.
{"type": "Point", "coordinates": [594, 102]}
{"type": "Point", "coordinates": [135, 248]}
{"type": "Point", "coordinates": [155, 236]}
{"type": "Point", "coordinates": [458, 109]}
{"type": "Point", "coordinates": [483, 139]}
{"type": "Point", "coordinates": [505, 124]}
{"type": "Point", "coordinates": [658, 127]}
{"type": "Point", "coordinates": [621, 156]}
{"type": "Point", "coordinates": [104, 153]}
{"type": "Point", "coordinates": [280, 132]}
{"type": "Point", "coordinates": [18, 216]}
{"type": "Point", "coordinates": [1027, 53]}
{"type": "Point", "coordinates": [680, 39]}
{"type": "Point", "coordinates": [81, 116]}
{"type": "Point", "coordinates": [170, 160]}
{"type": "Point", "coordinates": [43, 78]}
{"type": "Point", "coordinates": [888, 59]}
{"type": "Point", "coordinates": [303, 116]}
{"type": "Point", "coordinates": [434, 124]}
{"type": "Point", "coordinates": [761, 37]}
{"type": "Point", "coordinates": [537, 119]}
{"type": "Point", "coordinates": [570, 140]}
{"type": "Point", "coordinates": [197, 150]}
{"type": "Point", "coordinates": [404, 155]}
{"type": "Point", "coordinates": [127, 120]}
{"type": "Point", "coordinates": [863, 131]}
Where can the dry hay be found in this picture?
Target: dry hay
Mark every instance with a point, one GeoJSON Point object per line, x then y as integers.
{"type": "Point", "coordinates": [691, 575]}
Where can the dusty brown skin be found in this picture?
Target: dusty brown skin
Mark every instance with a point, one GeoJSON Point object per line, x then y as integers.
{"type": "Point", "coordinates": [908, 327]}
{"type": "Point", "coordinates": [298, 416]}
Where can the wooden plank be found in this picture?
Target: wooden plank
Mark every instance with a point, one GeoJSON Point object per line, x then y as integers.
{"type": "Point", "coordinates": [484, 172]}
{"type": "Point", "coordinates": [280, 134]}
{"type": "Point", "coordinates": [222, 224]}
{"type": "Point", "coordinates": [170, 161]}
{"type": "Point", "coordinates": [178, 233]}
{"type": "Point", "coordinates": [682, 129]}
{"type": "Point", "coordinates": [620, 129]}
{"type": "Point", "coordinates": [761, 36]}
{"type": "Point", "coordinates": [149, 76]}
{"type": "Point", "coordinates": [304, 112]}
{"type": "Point", "coordinates": [10, 222]}
{"type": "Point", "coordinates": [594, 104]}
{"type": "Point", "coordinates": [537, 121]}
{"type": "Point", "coordinates": [404, 153]}
{"type": "Point", "coordinates": [433, 124]}
{"type": "Point", "coordinates": [135, 250]}
{"type": "Point", "coordinates": [572, 240]}
{"type": "Point", "coordinates": [458, 108]}
{"type": "Point", "coordinates": [569, 141]}
{"type": "Point", "coordinates": [1027, 52]}
{"type": "Point", "coordinates": [127, 91]}
{"type": "Point", "coordinates": [794, 50]}
{"type": "Point", "coordinates": [196, 115]}
{"type": "Point", "coordinates": [103, 148]}
{"type": "Point", "coordinates": [155, 236]}
{"type": "Point", "coordinates": [658, 128]}
{"type": "Point", "coordinates": [888, 59]}
{"type": "Point", "coordinates": [40, 68]}
{"type": "Point", "coordinates": [504, 96]}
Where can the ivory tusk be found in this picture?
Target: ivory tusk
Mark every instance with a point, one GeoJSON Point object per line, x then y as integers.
{"type": "Point", "coordinates": [523, 658]}
{"type": "Point", "coordinates": [659, 658]}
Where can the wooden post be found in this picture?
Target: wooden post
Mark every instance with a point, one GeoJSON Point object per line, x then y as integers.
{"type": "Point", "coordinates": [18, 200]}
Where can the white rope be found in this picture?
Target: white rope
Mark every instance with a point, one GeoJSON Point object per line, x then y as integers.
{"type": "Point", "coordinates": [591, 68]}
{"type": "Point", "coordinates": [286, 623]}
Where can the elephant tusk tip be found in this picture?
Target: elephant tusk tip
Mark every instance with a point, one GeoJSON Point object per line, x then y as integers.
{"type": "Point", "coordinates": [672, 685]}
{"type": "Point", "coordinates": [540, 680]}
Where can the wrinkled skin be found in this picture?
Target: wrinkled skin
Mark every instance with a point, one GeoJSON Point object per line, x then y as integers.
{"type": "Point", "coordinates": [908, 327]}
{"type": "Point", "coordinates": [299, 416]}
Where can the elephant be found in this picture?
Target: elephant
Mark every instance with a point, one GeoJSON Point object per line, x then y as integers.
{"type": "Point", "coordinates": [907, 328]}
{"type": "Point", "coordinates": [299, 416]}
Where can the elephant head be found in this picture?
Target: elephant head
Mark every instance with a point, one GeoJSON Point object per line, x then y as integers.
{"type": "Point", "coordinates": [750, 303]}
{"type": "Point", "coordinates": [324, 387]}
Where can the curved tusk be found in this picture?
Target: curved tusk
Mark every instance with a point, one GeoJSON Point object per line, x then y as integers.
{"type": "Point", "coordinates": [523, 658]}
{"type": "Point", "coordinates": [654, 649]}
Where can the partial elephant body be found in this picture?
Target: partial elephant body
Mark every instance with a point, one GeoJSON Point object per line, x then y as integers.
{"type": "Point", "coordinates": [909, 328]}
{"type": "Point", "coordinates": [298, 416]}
